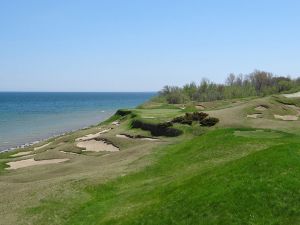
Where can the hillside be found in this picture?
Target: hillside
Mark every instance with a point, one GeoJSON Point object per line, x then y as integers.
{"type": "Point", "coordinates": [243, 170]}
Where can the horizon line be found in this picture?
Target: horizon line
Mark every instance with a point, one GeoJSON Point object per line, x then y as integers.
{"type": "Point", "coordinates": [78, 91]}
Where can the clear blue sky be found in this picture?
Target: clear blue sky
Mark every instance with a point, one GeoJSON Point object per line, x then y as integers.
{"type": "Point", "coordinates": [126, 45]}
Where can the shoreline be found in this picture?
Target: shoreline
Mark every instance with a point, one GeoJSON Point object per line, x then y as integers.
{"type": "Point", "coordinates": [32, 113]}
{"type": "Point", "coordinates": [28, 144]}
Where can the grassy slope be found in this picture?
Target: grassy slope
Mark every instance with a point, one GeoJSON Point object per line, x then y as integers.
{"type": "Point", "coordinates": [220, 176]}
{"type": "Point", "coordinates": [217, 178]}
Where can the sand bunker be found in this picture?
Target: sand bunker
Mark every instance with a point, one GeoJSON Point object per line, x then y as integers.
{"type": "Point", "coordinates": [43, 146]}
{"type": "Point", "coordinates": [286, 117]}
{"type": "Point", "coordinates": [296, 108]}
{"type": "Point", "coordinates": [255, 116]}
{"type": "Point", "coordinates": [137, 137]}
{"type": "Point", "coordinates": [32, 162]}
{"type": "Point", "coordinates": [261, 108]}
{"type": "Point", "coordinates": [92, 136]}
{"type": "Point", "coordinates": [116, 123]}
{"type": "Point", "coordinates": [148, 117]}
{"type": "Point", "coordinates": [72, 153]}
{"type": "Point", "coordinates": [200, 107]}
{"type": "Point", "coordinates": [97, 146]}
{"type": "Point", "coordinates": [21, 154]}
{"type": "Point", "coordinates": [294, 95]}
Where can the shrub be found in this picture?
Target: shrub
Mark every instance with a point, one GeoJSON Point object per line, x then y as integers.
{"type": "Point", "coordinates": [182, 120]}
{"type": "Point", "coordinates": [209, 122]}
{"type": "Point", "coordinates": [190, 117]}
{"type": "Point", "coordinates": [199, 116]}
{"type": "Point", "coordinates": [123, 112]}
{"type": "Point", "coordinates": [160, 129]}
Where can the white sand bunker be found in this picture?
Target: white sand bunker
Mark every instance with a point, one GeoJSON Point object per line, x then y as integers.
{"type": "Point", "coordinates": [97, 146]}
{"type": "Point", "coordinates": [261, 108]}
{"type": "Point", "coordinates": [255, 116]}
{"type": "Point", "coordinates": [116, 123]}
{"type": "Point", "coordinates": [137, 137]}
{"type": "Point", "coordinates": [32, 162]}
{"type": "Point", "coordinates": [286, 117]}
{"type": "Point", "coordinates": [294, 95]}
{"type": "Point", "coordinates": [92, 136]}
{"type": "Point", "coordinates": [148, 117]}
{"type": "Point", "coordinates": [21, 154]}
{"type": "Point", "coordinates": [72, 153]}
{"type": "Point", "coordinates": [43, 146]}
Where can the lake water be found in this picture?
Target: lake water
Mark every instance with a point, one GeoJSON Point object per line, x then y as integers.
{"type": "Point", "coordinates": [29, 117]}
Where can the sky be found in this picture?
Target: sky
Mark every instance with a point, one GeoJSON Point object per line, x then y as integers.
{"type": "Point", "coordinates": [142, 45]}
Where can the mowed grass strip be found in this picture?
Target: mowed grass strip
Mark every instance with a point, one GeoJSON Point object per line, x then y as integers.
{"type": "Point", "coordinates": [217, 178]}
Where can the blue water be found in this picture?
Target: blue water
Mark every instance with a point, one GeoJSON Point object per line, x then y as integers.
{"type": "Point", "coordinates": [29, 117]}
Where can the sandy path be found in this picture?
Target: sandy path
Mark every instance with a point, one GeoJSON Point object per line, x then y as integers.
{"type": "Point", "coordinates": [97, 146]}
{"type": "Point", "coordinates": [32, 162]}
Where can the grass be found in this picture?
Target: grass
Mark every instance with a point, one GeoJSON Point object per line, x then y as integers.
{"type": "Point", "coordinates": [243, 171]}
{"type": "Point", "coordinates": [216, 178]}
{"type": "Point", "coordinates": [260, 134]}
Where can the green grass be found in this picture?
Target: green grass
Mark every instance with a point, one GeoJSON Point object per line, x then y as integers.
{"type": "Point", "coordinates": [216, 178]}
{"type": "Point", "coordinates": [259, 134]}
{"type": "Point", "coordinates": [2, 166]}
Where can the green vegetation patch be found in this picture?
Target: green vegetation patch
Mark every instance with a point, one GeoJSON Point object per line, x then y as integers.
{"type": "Point", "coordinates": [200, 117]}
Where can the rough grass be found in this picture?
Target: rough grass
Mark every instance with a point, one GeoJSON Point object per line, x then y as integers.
{"type": "Point", "coordinates": [287, 101]}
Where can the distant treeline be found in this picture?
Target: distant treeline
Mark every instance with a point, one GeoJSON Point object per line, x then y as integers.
{"type": "Point", "coordinates": [258, 83]}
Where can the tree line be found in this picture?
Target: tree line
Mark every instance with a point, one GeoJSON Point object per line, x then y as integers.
{"type": "Point", "coordinates": [257, 83]}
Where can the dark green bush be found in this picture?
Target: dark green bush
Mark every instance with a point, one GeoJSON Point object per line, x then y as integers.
{"type": "Point", "coordinates": [123, 112]}
{"type": "Point", "coordinates": [182, 120]}
{"type": "Point", "coordinates": [160, 129]}
{"type": "Point", "coordinates": [190, 117]}
{"type": "Point", "coordinates": [198, 116]}
{"type": "Point", "coordinates": [209, 122]}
